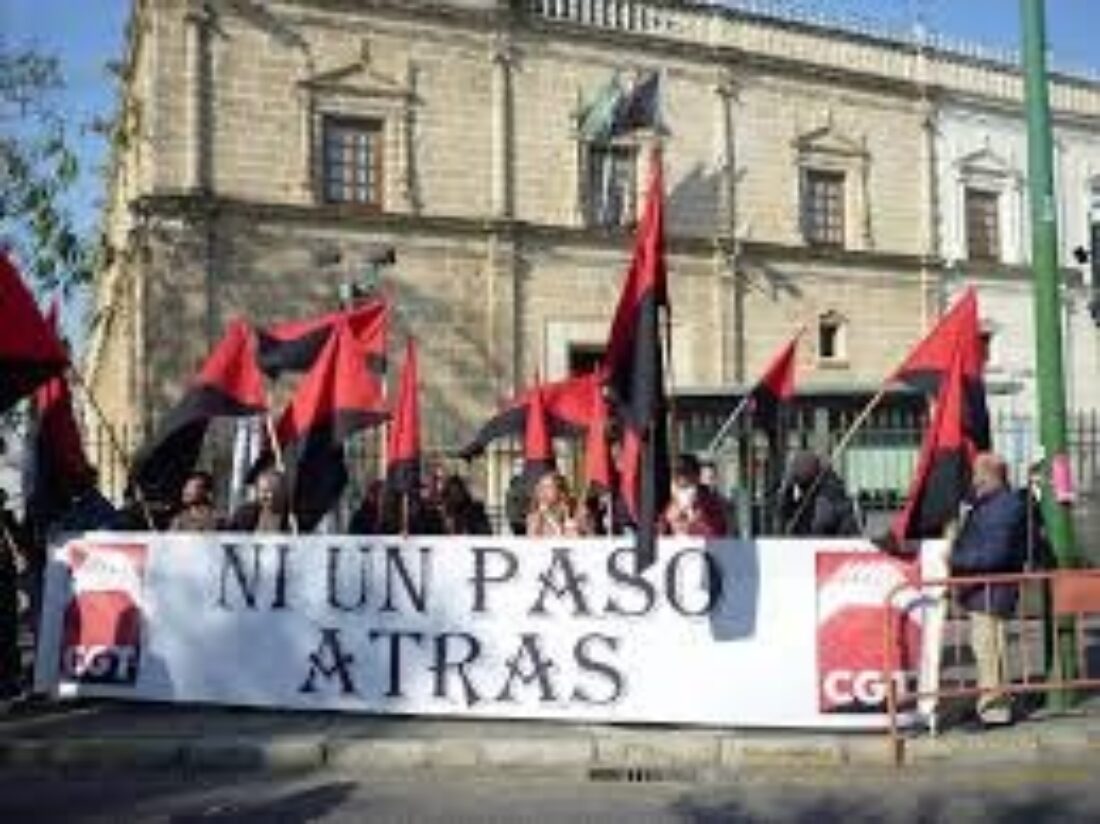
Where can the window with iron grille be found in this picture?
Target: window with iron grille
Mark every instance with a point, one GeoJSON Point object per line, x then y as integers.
{"type": "Point", "coordinates": [823, 208]}
{"type": "Point", "coordinates": [352, 162]}
{"type": "Point", "coordinates": [611, 185]}
{"type": "Point", "coordinates": [983, 233]}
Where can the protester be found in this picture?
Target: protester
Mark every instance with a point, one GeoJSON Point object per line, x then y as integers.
{"type": "Point", "coordinates": [401, 514]}
{"type": "Point", "coordinates": [553, 513]}
{"type": "Point", "coordinates": [270, 512]}
{"type": "Point", "coordinates": [813, 501]}
{"type": "Point", "coordinates": [10, 560]}
{"type": "Point", "coordinates": [197, 512]}
{"type": "Point", "coordinates": [367, 516]}
{"type": "Point", "coordinates": [517, 500]}
{"type": "Point", "coordinates": [694, 509]}
{"type": "Point", "coordinates": [460, 513]}
{"type": "Point", "coordinates": [992, 540]}
{"type": "Point", "coordinates": [597, 511]}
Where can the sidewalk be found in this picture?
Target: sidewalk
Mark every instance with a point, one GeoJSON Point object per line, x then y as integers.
{"type": "Point", "coordinates": [159, 736]}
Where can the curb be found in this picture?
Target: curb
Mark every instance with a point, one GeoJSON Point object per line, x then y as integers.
{"type": "Point", "coordinates": [624, 755]}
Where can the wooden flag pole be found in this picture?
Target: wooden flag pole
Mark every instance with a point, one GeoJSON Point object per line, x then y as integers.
{"type": "Point", "coordinates": [837, 451]}
{"type": "Point", "coordinates": [280, 464]}
{"type": "Point", "coordinates": [116, 446]}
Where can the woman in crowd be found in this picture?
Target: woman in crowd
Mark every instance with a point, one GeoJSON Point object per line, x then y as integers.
{"type": "Point", "coordinates": [553, 513]}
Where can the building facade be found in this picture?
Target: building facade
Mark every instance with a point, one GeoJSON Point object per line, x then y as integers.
{"type": "Point", "coordinates": [986, 230]}
{"type": "Point", "coordinates": [266, 151]}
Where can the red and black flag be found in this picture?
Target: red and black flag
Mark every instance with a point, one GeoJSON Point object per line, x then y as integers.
{"type": "Point", "coordinates": [30, 352]}
{"type": "Point", "coordinates": [943, 471]}
{"type": "Point", "coordinates": [928, 363]}
{"type": "Point", "coordinates": [337, 398]}
{"type": "Point", "coordinates": [228, 385]}
{"type": "Point", "coordinates": [61, 469]}
{"type": "Point", "coordinates": [403, 443]}
{"type": "Point", "coordinates": [635, 369]}
{"type": "Point", "coordinates": [294, 346]}
{"type": "Point", "coordinates": [570, 406]}
{"type": "Point", "coordinates": [775, 387]}
{"type": "Point", "coordinates": [538, 447]}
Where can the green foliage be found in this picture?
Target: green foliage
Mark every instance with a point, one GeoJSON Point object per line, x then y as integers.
{"type": "Point", "coordinates": [37, 169]}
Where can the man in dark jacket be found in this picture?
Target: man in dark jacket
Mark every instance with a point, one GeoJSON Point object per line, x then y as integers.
{"type": "Point", "coordinates": [813, 501]}
{"type": "Point", "coordinates": [993, 540]}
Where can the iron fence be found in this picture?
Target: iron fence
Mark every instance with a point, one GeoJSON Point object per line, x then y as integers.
{"type": "Point", "coordinates": [876, 467]}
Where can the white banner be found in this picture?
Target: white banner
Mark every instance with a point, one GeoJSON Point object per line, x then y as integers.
{"type": "Point", "coordinates": [716, 633]}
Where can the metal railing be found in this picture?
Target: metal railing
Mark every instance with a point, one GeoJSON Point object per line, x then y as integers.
{"type": "Point", "coordinates": [1066, 596]}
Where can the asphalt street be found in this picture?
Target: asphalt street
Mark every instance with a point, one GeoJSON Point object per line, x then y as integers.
{"type": "Point", "coordinates": [1053, 792]}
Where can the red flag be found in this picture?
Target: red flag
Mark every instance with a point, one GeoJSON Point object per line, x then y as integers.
{"type": "Point", "coordinates": [598, 471]}
{"type": "Point", "coordinates": [403, 443]}
{"type": "Point", "coordinates": [927, 365]}
{"type": "Point", "coordinates": [229, 384]}
{"type": "Point", "coordinates": [293, 346]}
{"type": "Point", "coordinates": [30, 352]}
{"type": "Point", "coordinates": [943, 471]}
{"type": "Point", "coordinates": [61, 470]}
{"type": "Point", "coordinates": [337, 397]}
{"type": "Point", "coordinates": [635, 368]}
{"type": "Point", "coordinates": [538, 449]}
{"type": "Point", "coordinates": [570, 405]}
{"type": "Point", "coordinates": [775, 386]}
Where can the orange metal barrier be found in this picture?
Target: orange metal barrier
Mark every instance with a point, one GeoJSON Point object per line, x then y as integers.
{"type": "Point", "coordinates": [1072, 595]}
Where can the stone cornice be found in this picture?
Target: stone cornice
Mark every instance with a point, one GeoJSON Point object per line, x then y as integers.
{"type": "Point", "coordinates": [189, 206]}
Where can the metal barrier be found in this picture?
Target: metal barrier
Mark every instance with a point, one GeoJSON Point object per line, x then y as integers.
{"type": "Point", "coordinates": [1068, 596]}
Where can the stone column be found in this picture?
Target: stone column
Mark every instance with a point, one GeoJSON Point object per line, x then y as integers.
{"type": "Point", "coordinates": [197, 167]}
{"type": "Point", "coordinates": [503, 58]}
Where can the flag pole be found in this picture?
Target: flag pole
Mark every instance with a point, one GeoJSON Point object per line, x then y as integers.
{"type": "Point", "coordinates": [280, 464]}
{"type": "Point", "coordinates": [727, 425]}
{"type": "Point", "coordinates": [837, 451]}
{"type": "Point", "coordinates": [112, 439]}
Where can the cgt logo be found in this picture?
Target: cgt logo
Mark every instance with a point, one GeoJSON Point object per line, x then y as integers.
{"type": "Point", "coordinates": [864, 688]}
{"type": "Point", "coordinates": [101, 664]}
{"type": "Point", "coordinates": [102, 633]}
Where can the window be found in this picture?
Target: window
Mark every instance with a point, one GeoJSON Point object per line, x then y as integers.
{"type": "Point", "coordinates": [584, 358]}
{"type": "Point", "coordinates": [610, 185]}
{"type": "Point", "coordinates": [352, 162]}
{"type": "Point", "coordinates": [983, 236]}
{"type": "Point", "coordinates": [823, 208]}
{"type": "Point", "coordinates": [831, 343]}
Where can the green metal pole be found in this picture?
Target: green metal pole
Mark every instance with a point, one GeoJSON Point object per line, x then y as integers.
{"type": "Point", "coordinates": [1048, 302]}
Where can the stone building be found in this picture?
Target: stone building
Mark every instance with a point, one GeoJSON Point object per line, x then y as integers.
{"type": "Point", "coordinates": [266, 149]}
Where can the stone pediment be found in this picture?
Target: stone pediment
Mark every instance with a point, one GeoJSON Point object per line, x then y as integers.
{"type": "Point", "coordinates": [829, 140]}
{"type": "Point", "coordinates": [358, 78]}
{"type": "Point", "coordinates": [986, 162]}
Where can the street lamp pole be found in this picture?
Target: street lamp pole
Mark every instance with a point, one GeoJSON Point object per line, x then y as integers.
{"type": "Point", "coordinates": [1048, 320]}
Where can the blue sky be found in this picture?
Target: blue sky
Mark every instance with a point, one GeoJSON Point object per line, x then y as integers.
{"type": "Point", "coordinates": [88, 33]}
